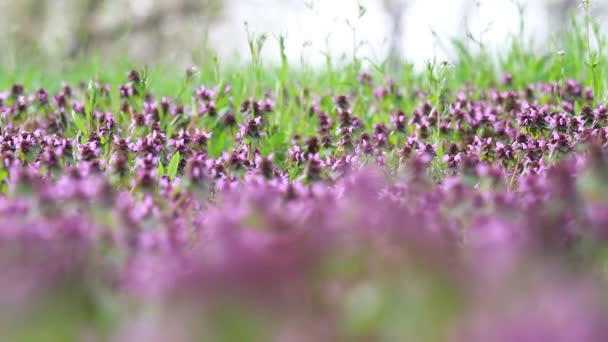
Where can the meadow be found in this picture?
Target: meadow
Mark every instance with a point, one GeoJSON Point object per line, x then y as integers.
{"type": "Point", "coordinates": [360, 201]}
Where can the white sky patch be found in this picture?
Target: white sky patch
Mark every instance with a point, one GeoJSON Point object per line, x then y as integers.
{"type": "Point", "coordinates": [307, 30]}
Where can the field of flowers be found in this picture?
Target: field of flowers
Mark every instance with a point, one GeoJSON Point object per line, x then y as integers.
{"type": "Point", "coordinates": [465, 203]}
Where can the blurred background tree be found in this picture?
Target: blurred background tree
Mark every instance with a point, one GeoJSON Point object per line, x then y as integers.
{"type": "Point", "coordinates": [396, 10]}
{"type": "Point", "coordinates": [146, 30]}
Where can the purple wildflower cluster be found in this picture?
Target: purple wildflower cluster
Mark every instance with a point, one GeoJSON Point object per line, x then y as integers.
{"type": "Point", "coordinates": [486, 220]}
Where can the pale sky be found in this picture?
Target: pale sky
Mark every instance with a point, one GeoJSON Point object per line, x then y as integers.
{"type": "Point", "coordinates": [328, 20]}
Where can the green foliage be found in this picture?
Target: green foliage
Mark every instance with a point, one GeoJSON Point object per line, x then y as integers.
{"type": "Point", "coordinates": [578, 53]}
{"type": "Point", "coordinates": [80, 123]}
{"type": "Point", "coordinates": [173, 165]}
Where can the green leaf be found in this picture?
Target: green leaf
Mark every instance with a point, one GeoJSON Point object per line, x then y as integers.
{"type": "Point", "coordinates": [362, 10]}
{"type": "Point", "coordinates": [90, 105]}
{"type": "Point", "coordinates": [171, 126]}
{"type": "Point", "coordinates": [173, 165]}
{"type": "Point", "coordinates": [278, 140]}
{"type": "Point", "coordinates": [79, 122]}
{"type": "Point", "coordinates": [161, 170]}
{"type": "Point", "coordinates": [3, 174]}
{"type": "Point", "coordinates": [217, 144]}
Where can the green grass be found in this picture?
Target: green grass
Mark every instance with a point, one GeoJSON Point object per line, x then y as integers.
{"type": "Point", "coordinates": [579, 54]}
